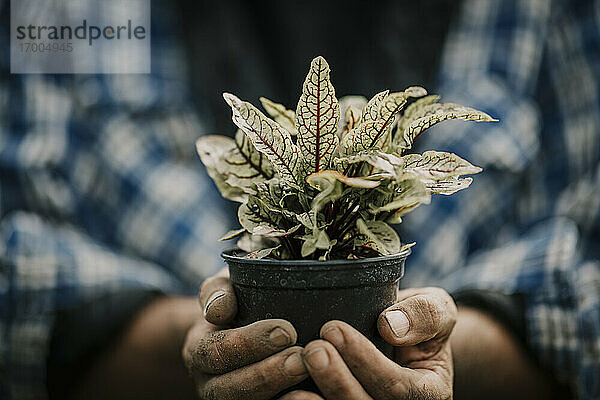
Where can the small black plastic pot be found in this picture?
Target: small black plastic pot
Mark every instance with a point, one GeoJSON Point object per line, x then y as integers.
{"type": "Point", "coordinates": [309, 293]}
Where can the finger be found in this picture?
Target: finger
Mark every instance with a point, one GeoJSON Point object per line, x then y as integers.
{"type": "Point", "coordinates": [217, 299]}
{"type": "Point", "coordinates": [301, 395]}
{"type": "Point", "coordinates": [330, 373]}
{"type": "Point", "coordinates": [419, 316]}
{"type": "Point", "coordinates": [262, 380]}
{"type": "Point", "coordinates": [222, 351]}
{"type": "Point", "coordinates": [379, 375]}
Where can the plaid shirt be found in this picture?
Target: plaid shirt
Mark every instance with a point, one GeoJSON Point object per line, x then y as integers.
{"type": "Point", "coordinates": [530, 223]}
{"type": "Point", "coordinates": [101, 192]}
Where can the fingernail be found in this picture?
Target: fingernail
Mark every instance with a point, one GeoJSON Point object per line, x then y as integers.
{"type": "Point", "coordinates": [216, 295]}
{"type": "Point", "coordinates": [398, 322]}
{"type": "Point", "coordinates": [334, 336]}
{"type": "Point", "coordinates": [280, 338]}
{"type": "Point", "coordinates": [294, 366]}
{"type": "Point", "coordinates": [317, 358]}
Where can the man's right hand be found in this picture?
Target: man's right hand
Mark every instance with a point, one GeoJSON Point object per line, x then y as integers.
{"type": "Point", "coordinates": [256, 361]}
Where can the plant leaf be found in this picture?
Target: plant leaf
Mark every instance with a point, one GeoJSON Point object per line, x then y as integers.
{"type": "Point", "coordinates": [350, 109]}
{"type": "Point", "coordinates": [270, 231]}
{"type": "Point", "coordinates": [377, 120]}
{"type": "Point", "coordinates": [447, 186]}
{"type": "Point", "coordinates": [232, 234]}
{"type": "Point", "coordinates": [330, 189]}
{"type": "Point", "coordinates": [308, 219]}
{"type": "Point", "coordinates": [317, 240]}
{"type": "Point", "coordinates": [358, 138]}
{"type": "Point", "coordinates": [212, 150]}
{"type": "Point", "coordinates": [317, 117]}
{"type": "Point", "coordinates": [412, 194]}
{"type": "Point", "coordinates": [387, 162]}
{"type": "Point", "coordinates": [371, 111]}
{"type": "Point", "coordinates": [284, 117]}
{"type": "Point", "coordinates": [409, 115]}
{"type": "Point", "coordinates": [269, 138]}
{"type": "Point", "coordinates": [432, 114]}
{"type": "Point", "coordinates": [262, 253]}
{"type": "Point", "coordinates": [378, 236]}
{"type": "Point", "coordinates": [252, 157]}
{"type": "Point", "coordinates": [438, 165]}
{"type": "Point", "coordinates": [315, 180]}
{"type": "Point", "coordinates": [251, 243]}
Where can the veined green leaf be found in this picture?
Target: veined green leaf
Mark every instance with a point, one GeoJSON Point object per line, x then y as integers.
{"type": "Point", "coordinates": [308, 219]}
{"type": "Point", "coordinates": [432, 114]}
{"type": "Point", "coordinates": [350, 110]}
{"type": "Point", "coordinates": [271, 231]}
{"type": "Point", "coordinates": [409, 115]}
{"type": "Point", "coordinates": [317, 117]}
{"type": "Point", "coordinates": [371, 111]}
{"type": "Point", "coordinates": [412, 194]}
{"type": "Point", "coordinates": [381, 111]}
{"type": "Point", "coordinates": [358, 138]}
{"type": "Point", "coordinates": [251, 156]}
{"type": "Point", "coordinates": [284, 117]}
{"type": "Point", "coordinates": [388, 111]}
{"type": "Point", "coordinates": [317, 240]}
{"type": "Point", "coordinates": [387, 162]}
{"type": "Point", "coordinates": [438, 165]}
{"type": "Point", "coordinates": [378, 236]}
{"type": "Point", "coordinates": [330, 189]}
{"type": "Point", "coordinates": [212, 150]}
{"type": "Point", "coordinates": [262, 253]}
{"type": "Point", "coordinates": [270, 200]}
{"type": "Point", "coordinates": [269, 138]}
{"type": "Point", "coordinates": [447, 186]}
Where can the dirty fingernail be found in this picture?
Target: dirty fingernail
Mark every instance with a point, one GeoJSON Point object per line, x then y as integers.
{"type": "Point", "coordinates": [216, 295]}
{"type": "Point", "coordinates": [334, 336]}
{"type": "Point", "coordinates": [398, 322]}
{"type": "Point", "coordinates": [317, 358]}
{"type": "Point", "coordinates": [280, 338]}
{"type": "Point", "coordinates": [294, 366]}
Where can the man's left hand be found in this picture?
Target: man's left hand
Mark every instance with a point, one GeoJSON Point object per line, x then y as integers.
{"type": "Point", "coordinates": [346, 365]}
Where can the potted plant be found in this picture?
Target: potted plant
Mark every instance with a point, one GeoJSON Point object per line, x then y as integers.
{"type": "Point", "coordinates": [318, 189]}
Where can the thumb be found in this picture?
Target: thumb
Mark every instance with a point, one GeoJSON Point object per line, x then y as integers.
{"type": "Point", "coordinates": [217, 299]}
{"type": "Point", "coordinates": [419, 316]}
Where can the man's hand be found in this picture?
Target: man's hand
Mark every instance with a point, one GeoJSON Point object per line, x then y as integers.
{"type": "Point", "coordinates": [345, 365]}
{"type": "Point", "coordinates": [252, 362]}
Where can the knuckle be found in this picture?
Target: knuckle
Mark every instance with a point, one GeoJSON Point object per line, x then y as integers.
{"type": "Point", "coordinates": [393, 388]}
{"type": "Point", "coordinates": [213, 355]}
{"type": "Point", "coordinates": [430, 309]}
{"type": "Point", "coordinates": [207, 354]}
{"type": "Point", "coordinates": [213, 390]}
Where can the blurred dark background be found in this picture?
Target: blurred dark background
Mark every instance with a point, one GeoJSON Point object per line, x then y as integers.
{"type": "Point", "coordinates": [264, 48]}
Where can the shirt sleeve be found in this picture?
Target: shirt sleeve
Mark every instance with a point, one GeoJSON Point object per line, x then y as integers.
{"type": "Point", "coordinates": [115, 155]}
{"type": "Point", "coordinates": [48, 269]}
{"type": "Point", "coordinates": [101, 194]}
{"type": "Point", "coordinates": [490, 62]}
{"type": "Point", "coordinates": [476, 240]}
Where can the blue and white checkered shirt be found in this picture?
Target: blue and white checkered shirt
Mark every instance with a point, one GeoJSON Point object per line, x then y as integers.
{"type": "Point", "coordinates": [530, 223]}
{"type": "Point", "coordinates": [100, 191]}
